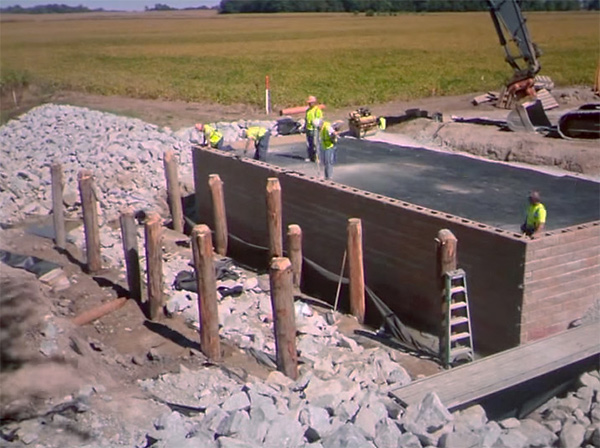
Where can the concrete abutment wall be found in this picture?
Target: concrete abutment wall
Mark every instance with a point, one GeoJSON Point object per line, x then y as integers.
{"type": "Point", "coordinates": [399, 245]}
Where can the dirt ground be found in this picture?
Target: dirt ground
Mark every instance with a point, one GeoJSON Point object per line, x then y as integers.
{"type": "Point", "coordinates": [122, 347]}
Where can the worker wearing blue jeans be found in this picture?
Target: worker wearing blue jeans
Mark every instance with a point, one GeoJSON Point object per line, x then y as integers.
{"type": "Point", "coordinates": [328, 137]}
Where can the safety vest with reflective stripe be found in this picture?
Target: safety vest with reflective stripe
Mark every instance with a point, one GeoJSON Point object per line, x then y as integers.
{"type": "Point", "coordinates": [212, 135]}
{"type": "Point", "coordinates": [255, 132]}
{"type": "Point", "coordinates": [536, 215]}
{"type": "Point", "coordinates": [327, 141]}
{"type": "Point", "coordinates": [312, 113]}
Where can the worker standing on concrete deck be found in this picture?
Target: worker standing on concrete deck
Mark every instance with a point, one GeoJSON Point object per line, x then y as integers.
{"type": "Point", "coordinates": [328, 138]}
{"type": "Point", "coordinates": [210, 136]}
{"type": "Point", "coordinates": [535, 220]}
{"type": "Point", "coordinates": [260, 136]}
{"type": "Point", "coordinates": [313, 113]}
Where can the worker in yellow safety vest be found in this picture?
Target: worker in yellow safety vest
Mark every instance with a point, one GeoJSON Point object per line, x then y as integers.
{"type": "Point", "coordinates": [535, 219]}
{"type": "Point", "coordinates": [328, 136]}
{"type": "Point", "coordinates": [313, 113]}
{"type": "Point", "coordinates": [210, 136]}
{"type": "Point", "coordinates": [260, 136]}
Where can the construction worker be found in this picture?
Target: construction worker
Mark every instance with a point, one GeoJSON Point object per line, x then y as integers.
{"type": "Point", "coordinates": [328, 138]}
{"type": "Point", "coordinates": [210, 136]}
{"type": "Point", "coordinates": [313, 113]}
{"type": "Point", "coordinates": [260, 136]}
{"type": "Point", "coordinates": [535, 219]}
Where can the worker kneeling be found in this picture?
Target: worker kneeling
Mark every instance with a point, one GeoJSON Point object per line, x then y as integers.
{"type": "Point", "coordinates": [260, 136]}
{"type": "Point", "coordinates": [328, 137]}
{"type": "Point", "coordinates": [210, 136]}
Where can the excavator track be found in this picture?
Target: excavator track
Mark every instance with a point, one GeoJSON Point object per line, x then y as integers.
{"type": "Point", "coordinates": [583, 123]}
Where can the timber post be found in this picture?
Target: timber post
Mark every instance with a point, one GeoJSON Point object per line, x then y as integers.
{"type": "Point", "coordinates": [356, 269]}
{"type": "Point", "coordinates": [90, 220]}
{"type": "Point", "coordinates": [220, 217]}
{"type": "Point", "coordinates": [155, 281]}
{"type": "Point", "coordinates": [207, 291]}
{"type": "Point", "coordinates": [294, 242]}
{"type": "Point", "coordinates": [58, 214]}
{"type": "Point", "coordinates": [274, 220]}
{"type": "Point", "coordinates": [173, 190]}
{"type": "Point", "coordinates": [282, 302]}
{"type": "Point", "coordinates": [131, 253]}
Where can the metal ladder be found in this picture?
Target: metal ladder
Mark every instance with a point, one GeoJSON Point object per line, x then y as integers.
{"type": "Point", "coordinates": [457, 346]}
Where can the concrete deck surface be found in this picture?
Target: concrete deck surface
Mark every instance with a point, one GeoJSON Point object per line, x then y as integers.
{"type": "Point", "coordinates": [485, 191]}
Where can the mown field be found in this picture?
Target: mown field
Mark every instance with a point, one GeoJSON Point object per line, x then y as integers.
{"type": "Point", "coordinates": [344, 59]}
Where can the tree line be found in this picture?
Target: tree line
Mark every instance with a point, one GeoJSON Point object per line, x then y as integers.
{"type": "Point", "coordinates": [393, 6]}
{"type": "Point", "coordinates": [46, 9]}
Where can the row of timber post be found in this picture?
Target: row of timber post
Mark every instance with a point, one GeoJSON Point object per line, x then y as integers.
{"type": "Point", "coordinates": [285, 273]}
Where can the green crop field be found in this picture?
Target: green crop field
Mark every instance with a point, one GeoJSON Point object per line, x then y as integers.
{"type": "Point", "coordinates": [344, 59]}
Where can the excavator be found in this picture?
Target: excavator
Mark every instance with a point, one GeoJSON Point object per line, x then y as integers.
{"type": "Point", "coordinates": [528, 114]}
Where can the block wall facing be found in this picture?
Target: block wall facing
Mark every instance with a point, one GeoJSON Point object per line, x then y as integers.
{"type": "Point", "coordinates": [562, 279]}
{"type": "Point", "coordinates": [398, 243]}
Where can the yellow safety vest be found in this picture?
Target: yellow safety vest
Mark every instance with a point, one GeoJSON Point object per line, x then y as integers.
{"type": "Point", "coordinates": [212, 135]}
{"type": "Point", "coordinates": [255, 132]}
{"type": "Point", "coordinates": [536, 215]}
{"type": "Point", "coordinates": [327, 142]}
{"type": "Point", "coordinates": [312, 113]}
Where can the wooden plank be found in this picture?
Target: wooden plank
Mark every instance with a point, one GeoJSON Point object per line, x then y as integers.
{"type": "Point", "coordinates": [470, 382]}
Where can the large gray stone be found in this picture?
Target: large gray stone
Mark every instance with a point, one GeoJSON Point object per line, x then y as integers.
{"type": "Point", "coordinates": [284, 432]}
{"type": "Point", "coordinates": [512, 438]}
{"type": "Point", "coordinates": [460, 439]}
{"type": "Point", "coordinates": [430, 414]}
{"type": "Point", "coordinates": [213, 419]}
{"type": "Point", "coordinates": [346, 410]}
{"type": "Point", "coordinates": [367, 421]}
{"type": "Point", "coordinates": [572, 435]}
{"type": "Point", "coordinates": [470, 419]}
{"type": "Point", "coordinates": [346, 436]}
{"type": "Point", "coordinates": [408, 440]}
{"type": "Point", "coordinates": [387, 434]}
{"type": "Point", "coordinates": [316, 419]}
{"type": "Point", "coordinates": [489, 434]}
{"type": "Point", "coordinates": [537, 434]}
{"type": "Point", "coordinates": [589, 380]}
{"type": "Point", "coordinates": [236, 402]}
{"type": "Point", "coordinates": [237, 422]}
{"type": "Point", "coordinates": [228, 442]}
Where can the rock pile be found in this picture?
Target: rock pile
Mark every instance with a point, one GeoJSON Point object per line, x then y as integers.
{"type": "Point", "coordinates": [124, 154]}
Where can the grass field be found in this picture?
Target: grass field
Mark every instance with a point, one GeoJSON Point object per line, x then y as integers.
{"type": "Point", "coordinates": [342, 58]}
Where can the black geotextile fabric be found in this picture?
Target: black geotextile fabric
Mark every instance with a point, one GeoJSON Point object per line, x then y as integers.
{"type": "Point", "coordinates": [30, 263]}
{"type": "Point", "coordinates": [399, 333]}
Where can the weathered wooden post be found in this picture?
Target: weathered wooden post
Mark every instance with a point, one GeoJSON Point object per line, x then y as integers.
{"type": "Point", "coordinates": [90, 220]}
{"type": "Point", "coordinates": [282, 301]}
{"type": "Point", "coordinates": [173, 190]}
{"type": "Point", "coordinates": [294, 240]}
{"type": "Point", "coordinates": [445, 262]}
{"type": "Point", "coordinates": [155, 281]}
{"type": "Point", "coordinates": [356, 269]}
{"type": "Point", "coordinates": [207, 291]}
{"type": "Point", "coordinates": [58, 214]}
{"type": "Point", "coordinates": [274, 220]}
{"type": "Point", "coordinates": [218, 200]}
{"type": "Point", "coordinates": [131, 253]}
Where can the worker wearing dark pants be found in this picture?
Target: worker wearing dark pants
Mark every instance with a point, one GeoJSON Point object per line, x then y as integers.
{"type": "Point", "coordinates": [260, 136]}
{"type": "Point", "coordinates": [313, 114]}
{"type": "Point", "coordinates": [535, 219]}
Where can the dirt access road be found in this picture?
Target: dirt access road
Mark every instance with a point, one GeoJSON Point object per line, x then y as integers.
{"type": "Point", "coordinates": [576, 156]}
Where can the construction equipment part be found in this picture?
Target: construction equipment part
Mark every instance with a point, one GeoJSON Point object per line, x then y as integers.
{"type": "Point", "coordinates": [581, 123]}
{"type": "Point", "coordinates": [362, 123]}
